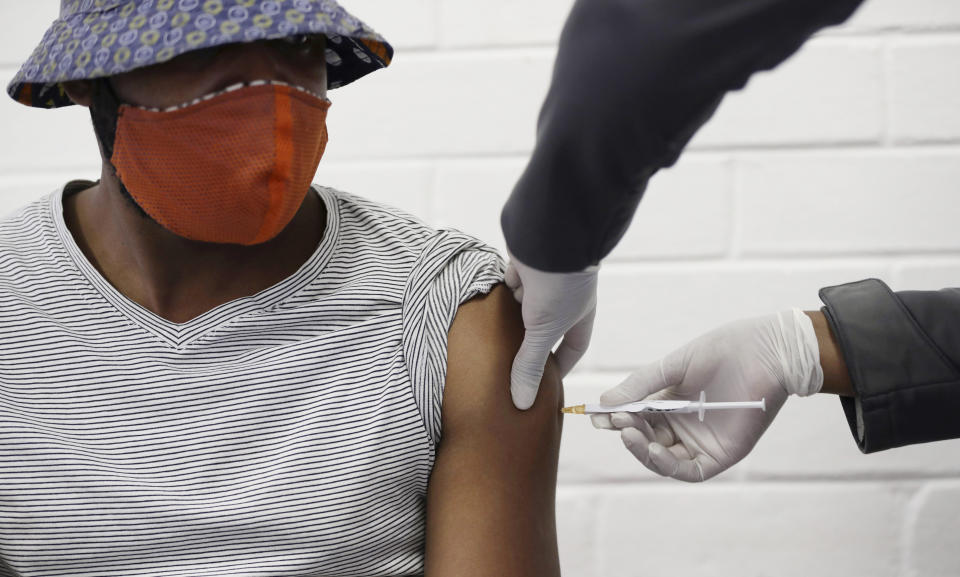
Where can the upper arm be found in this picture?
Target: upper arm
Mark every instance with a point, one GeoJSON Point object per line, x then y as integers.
{"type": "Point", "coordinates": [491, 499]}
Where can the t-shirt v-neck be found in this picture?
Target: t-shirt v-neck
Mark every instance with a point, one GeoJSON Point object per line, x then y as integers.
{"type": "Point", "coordinates": [292, 441]}
{"type": "Point", "coordinates": [180, 335]}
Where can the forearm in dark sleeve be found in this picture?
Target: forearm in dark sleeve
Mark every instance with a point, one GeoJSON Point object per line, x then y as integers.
{"type": "Point", "coordinates": [633, 81]}
{"type": "Point", "coordinates": [903, 354]}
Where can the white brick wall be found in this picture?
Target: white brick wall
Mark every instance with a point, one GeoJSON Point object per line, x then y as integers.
{"type": "Point", "coordinates": [783, 529]}
{"type": "Point", "coordinates": [830, 93]}
{"type": "Point", "coordinates": [841, 164]}
{"type": "Point", "coordinates": [911, 196]}
{"type": "Point", "coordinates": [895, 15]}
{"type": "Point", "coordinates": [924, 98]}
{"type": "Point", "coordinates": [931, 551]}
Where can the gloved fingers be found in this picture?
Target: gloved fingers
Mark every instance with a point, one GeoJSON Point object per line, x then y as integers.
{"type": "Point", "coordinates": [512, 277]}
{"type": "Point", "coordinates": [679, 451]}
{"type": "Point", "coordinates": [689, 470]}
{"type": "Point", "coordinates": [527, 371]}
{"type": "Point", "coordinates": [623, 420]}
{"type": "Point", "coordinates": [514, 283]}
{"type": "Point", "coordinates": [654, 426]}
{"type": "Point", "coordinates": [602, 421]}
{"type": "Point", "coordinates": [677, 462]}
{"type": "Point", "coordinates": [575, 343]}
{"type": "Point", "coordinates": [662, 461]}
{"type": "Point", "coordinates": [698, 469]}
{"type": "Point", "coordinates": [642, 383]}
{"type": "Point", "coordinates": [709, 467]}
{"type": "Point", "coordinates": [662, 431]}
{"type": "Point", "coordinates": [646, 428]}
{"type": "Point", "coordinates": [638, 445]}
{"type": "Point", "coordinates": [518, 294]}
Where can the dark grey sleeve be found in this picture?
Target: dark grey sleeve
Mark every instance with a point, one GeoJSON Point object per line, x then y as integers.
{"type": "Point", "coordinates": [632, 83]}
{"type": "Point", "coordinates": [903, 353]}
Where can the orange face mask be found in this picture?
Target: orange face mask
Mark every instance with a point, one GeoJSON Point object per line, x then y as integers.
{"type": "Point", "coordinates": [231, 168]}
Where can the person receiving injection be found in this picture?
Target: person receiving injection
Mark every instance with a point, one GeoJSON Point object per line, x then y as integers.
{"type": "Point", "coordinates": [632, 83]}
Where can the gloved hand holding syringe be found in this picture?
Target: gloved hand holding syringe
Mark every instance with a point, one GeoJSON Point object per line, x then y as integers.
{"type": "Point", "coordinates": [699, 407]}
{"type": "Point", "coordinates": [768, 357]}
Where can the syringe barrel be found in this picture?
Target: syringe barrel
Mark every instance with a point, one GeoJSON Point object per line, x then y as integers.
{"type": "Point", "coordinates": [735, 405]}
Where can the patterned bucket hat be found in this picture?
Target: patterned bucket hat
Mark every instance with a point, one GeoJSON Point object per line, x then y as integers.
{"type": "Point", "coordinates": [97, 38]}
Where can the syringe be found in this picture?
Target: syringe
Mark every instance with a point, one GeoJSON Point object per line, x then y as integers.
{"type": "Point", "coordinates": [698, 407]}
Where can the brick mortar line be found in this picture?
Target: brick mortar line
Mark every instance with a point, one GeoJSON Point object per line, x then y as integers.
{"type": "Point", "coordinates": [841, 254]}
{"type": "Point", "coordinates": [951, 146]}
{"type": "Point", "coordinates": [901, 145]}
{"type": "Point", "coordinates": [881, 32]}
{"type": "Point", "coordinates": [713, 153]}
{"type": "Point", "coordinates": [697, 152]}
{"type": "Point", "coordinates": [626, 486]}
{"type": "Point", "coordinates": [813, 262]}
{"type": "Point", "coordinates": [784, 150]}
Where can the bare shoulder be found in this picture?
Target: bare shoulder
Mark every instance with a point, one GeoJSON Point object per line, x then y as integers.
{"type": "Point", "coordinates": [491, 500]}
{"type": "Point", "coordinates": [482, 344]}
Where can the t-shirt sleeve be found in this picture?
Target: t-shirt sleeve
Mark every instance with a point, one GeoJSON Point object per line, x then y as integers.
{"type": "Point", "coordinates": [453, 268]}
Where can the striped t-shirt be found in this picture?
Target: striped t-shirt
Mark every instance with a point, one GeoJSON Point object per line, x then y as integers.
{"type": "Point", "coordinates": [291, 432]}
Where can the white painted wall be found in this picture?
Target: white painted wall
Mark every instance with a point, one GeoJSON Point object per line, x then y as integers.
{"type": "Point", "coordinates": [842, 164]}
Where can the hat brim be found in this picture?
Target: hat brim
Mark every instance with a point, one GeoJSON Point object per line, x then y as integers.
{"type": "Point", "coordinates": [119, 36]}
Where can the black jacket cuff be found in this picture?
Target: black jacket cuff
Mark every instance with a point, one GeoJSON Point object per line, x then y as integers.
{"type": "Point", "coordinates": [903, 382]}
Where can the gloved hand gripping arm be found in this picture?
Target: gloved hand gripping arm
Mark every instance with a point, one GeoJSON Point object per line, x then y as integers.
{"type": "Point", "coordinates": [555, 305]}
{"type": "Point", "coordinates": [633, 82]}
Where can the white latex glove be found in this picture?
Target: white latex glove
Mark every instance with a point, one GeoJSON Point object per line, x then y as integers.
{"type": "Point", "coordinates": [555, 305]}
{"type": "Point", "coordinates": [769, 357]}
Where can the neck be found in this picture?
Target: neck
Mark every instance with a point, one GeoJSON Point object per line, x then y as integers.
{"type": "Point", "coordinates": [177, 278]}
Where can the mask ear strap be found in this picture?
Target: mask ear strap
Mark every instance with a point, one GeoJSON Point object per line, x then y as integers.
{"type": "Point", "coordinates": [104, 111]}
